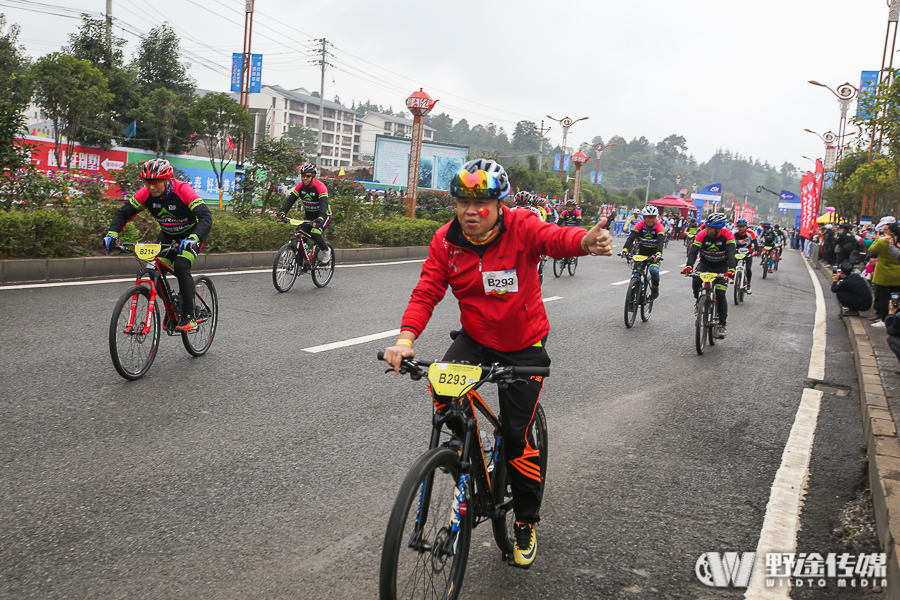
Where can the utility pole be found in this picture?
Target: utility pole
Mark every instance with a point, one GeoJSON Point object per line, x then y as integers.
{"type": "Point", "coordinates": [649, 178]}
{"type": "Point", "coordinates": [541, 147]}
{"type": "Point", "coordinates": [244, 96]}
{"type": "Point", "coordinates": [109, 26]}
{"type": "Point", "coordinates": [322, 63]}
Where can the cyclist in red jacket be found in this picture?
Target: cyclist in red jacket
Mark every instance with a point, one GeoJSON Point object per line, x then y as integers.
{"type": "Point", "coordinates": [488, 256]}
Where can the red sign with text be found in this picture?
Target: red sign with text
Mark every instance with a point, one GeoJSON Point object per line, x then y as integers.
{"type": "Point", "coordinates": [84, 158]}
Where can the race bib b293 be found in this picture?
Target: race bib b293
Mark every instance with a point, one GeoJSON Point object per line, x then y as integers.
{"type": "Point", "coordinates": [500, 282]}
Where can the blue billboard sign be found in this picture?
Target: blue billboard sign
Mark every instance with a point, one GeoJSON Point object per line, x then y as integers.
{"type": "Point", "coordinates": [868, 84]}
{"type": "Point", "coordinates": [255, 73]}
{"type": "Point", "coordinates": [237, 65]}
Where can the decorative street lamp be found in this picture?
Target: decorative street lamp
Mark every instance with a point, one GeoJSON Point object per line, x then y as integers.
{"type": "Point", "coordinates": [579, 158]}
{"type": "Point", "coordinates": [678, 179]}
{"type": "Point", "coordinates": [599, 148]}
{"type": "Point", "coordinates": [565, 122]}
{"type": "Point", "coordinates": [649, 178]}
{"type": "Point", "coordinates": [419, 104]}
{"type": "Point", "coordinates": [845, 93]}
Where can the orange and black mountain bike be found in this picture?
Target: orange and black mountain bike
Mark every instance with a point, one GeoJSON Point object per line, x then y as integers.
{"type": "Point", "coordinates": [455, 486]}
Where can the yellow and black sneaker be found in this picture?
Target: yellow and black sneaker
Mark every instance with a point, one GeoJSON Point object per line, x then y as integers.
{"type": "Point", "coordinates": [526, 544]}
{"type": "Point", "coordinates": [186, 323]}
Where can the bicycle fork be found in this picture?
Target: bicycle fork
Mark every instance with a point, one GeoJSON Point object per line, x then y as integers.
{"type": "Point", "coordinates": [132, 315]}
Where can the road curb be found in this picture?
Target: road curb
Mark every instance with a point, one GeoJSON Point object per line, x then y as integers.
{"type": "Point", "coordinates": [882, 448]}
{"type": "Point", "coordinates": [31, 270]}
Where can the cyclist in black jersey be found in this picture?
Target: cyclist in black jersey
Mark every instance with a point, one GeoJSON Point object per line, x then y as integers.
{"type": "Point", "coordinates": [314, 195]}
{"type": "Point", "coordinates": [182, 216]}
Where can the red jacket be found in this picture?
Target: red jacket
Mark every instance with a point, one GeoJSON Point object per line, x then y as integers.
{"type": "Point", "coordinates": [506, 321]}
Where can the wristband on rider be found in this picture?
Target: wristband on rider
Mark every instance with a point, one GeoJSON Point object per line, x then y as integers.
{"type": "Point", "coordinates": [404, 342]}
{"type": "Point", "coordinates": [584, 246]}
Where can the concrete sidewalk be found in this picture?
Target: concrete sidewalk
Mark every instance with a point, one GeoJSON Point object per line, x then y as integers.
{"type": "Point", "coordinates": [99, 267]}
{"type": "Point", "coordinates": [878, 372]}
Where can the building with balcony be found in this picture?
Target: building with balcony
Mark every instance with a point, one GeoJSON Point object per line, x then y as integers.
{"type": "Point", "coordinates": [275, 109]}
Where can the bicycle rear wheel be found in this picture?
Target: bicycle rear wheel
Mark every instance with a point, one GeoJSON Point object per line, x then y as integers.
{"type": "Point", "coordinates": [285, 269]}
{"type": "Point", "coordinates": [765, 264]}
{"type": "Point", "coordinates": [422, 557]}
{"type": "Point", "coordinates": [500, 488]}
{"type": "Point", "coordinates": [712, 323]}
{"type": "Point", "coordinates": [776, 261]}
{"type": "Point", "coordinates": [573, 264]}
{"type": "Point", "coordinates": [133, 352]}
{"type": "Point", "coordinates": [647, 304]}
{"type": "Point", "coordinates": [631, 301]}
{"type": "Point", "coordinates": [206, 312]}
{"type": "Point", "coordinates": [322, 274]}
{"type": "Point", "coordinates": [738, 282]}
{"type": "Point", "coordinates": [700, 324]}
{"type": "Point", "coordinates": [541, 271]}
{"type": "Point", "coordinates": [558, 266]}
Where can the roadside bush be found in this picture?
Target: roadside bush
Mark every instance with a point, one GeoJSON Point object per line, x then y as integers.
{"type": "Point", "coordinates": [40, 234]}
{"type": "Point", "coordinates": [401, 231]}
{"type": "Point", "coordinates": [435, 206]}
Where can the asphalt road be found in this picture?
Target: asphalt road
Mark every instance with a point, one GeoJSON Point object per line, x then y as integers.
{"type": "Point", "coordinates": [263, 471]}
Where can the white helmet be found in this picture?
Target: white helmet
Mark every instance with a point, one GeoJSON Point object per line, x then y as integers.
{"type": "Point", "coordinates": [650, 211]}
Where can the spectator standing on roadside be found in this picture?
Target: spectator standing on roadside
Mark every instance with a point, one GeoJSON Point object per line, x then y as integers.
{"type": "Point", "coordinates": [845, 243]}
{"type": "Point", "coordinates": [887, 271]}
{"type": "Point", "coordinates": [828, 244]}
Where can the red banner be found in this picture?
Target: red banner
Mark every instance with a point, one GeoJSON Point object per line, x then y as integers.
{"type": "Point", "coordinates": [818, 183]}
{"type": "Point", "coordinates": [807, 210]}
{"type": "Point", "coordinates": [84, 158]}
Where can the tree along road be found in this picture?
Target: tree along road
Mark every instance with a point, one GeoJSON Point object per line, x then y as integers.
{"type": "Point", "coordinates": [262, 470]}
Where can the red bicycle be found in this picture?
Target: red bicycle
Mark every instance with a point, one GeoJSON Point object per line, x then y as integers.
{"type": "Point", "coordinates": [299, 256]}
{"type": "Point", "coordinates": [134, 330]}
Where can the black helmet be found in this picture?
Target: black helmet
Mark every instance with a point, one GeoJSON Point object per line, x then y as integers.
{"type": "Point", "coordinates": [309, 168]}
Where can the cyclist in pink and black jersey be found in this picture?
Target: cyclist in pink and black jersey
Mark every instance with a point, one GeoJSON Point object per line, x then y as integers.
{"type": "Point", "coordinates": [182, 217]}
{"type": "Point", "coordinates": [314, 195]}
{"type": "Point", "coordinates": [571, 217]}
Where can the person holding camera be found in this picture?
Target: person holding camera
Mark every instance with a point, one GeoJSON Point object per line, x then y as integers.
{"type": "Point", "coordinates": [892, 324]}
{"type": "Point", "coordinates": [852, 291]}
{"type": "Point", "coordinates": [886, 277]}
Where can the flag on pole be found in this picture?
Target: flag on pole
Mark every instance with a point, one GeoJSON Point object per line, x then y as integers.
{"type": "Point", "coordinates": [131, 131]}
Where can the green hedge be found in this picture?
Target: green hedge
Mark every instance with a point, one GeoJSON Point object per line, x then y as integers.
{"type": "Point", "coordinates": [55, 234]}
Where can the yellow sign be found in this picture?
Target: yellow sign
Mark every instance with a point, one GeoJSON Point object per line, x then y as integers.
{"type": "Point", "coordinates": [147, 251]}
{"type": "Point", "coordinates": [708, 277]}
{"type": "Point", "coordinates": [452, 379]}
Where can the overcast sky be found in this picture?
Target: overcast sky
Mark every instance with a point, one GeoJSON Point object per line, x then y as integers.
{"type": "Point", "coordinates": [722, 74]}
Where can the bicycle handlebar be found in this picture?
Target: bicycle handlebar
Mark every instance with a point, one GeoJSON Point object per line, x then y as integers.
{"type": "Point", "coordinates": [417, 368]}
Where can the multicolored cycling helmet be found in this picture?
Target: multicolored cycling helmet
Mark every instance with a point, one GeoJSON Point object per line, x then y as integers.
{"type": "Point", "coordinates": [716, 220]}
{"type": "Point", "coordinates": [570, 202]}
{"type": "Point", "coordinates": [157, 168]}
{"type": "Point", "coordinates": [741, 222]}
{"type": "Point", "coordinates": [538, 201]}
{"type": "Point", "coordinates": [522, 199]}
{"type": "Point", "coordinates": [650, 211]}
{"type": "Point", "coordinates": [480, 178]}
{"type": "Point", "coordinates": [636, 212]}
{"type": "Point", "coordinates": [765, 224]}
{"type": "Point", "coordinates": [308, 169]}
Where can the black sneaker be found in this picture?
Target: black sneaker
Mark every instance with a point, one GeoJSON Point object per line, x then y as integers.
{"type": "Point", "coordinates": [850, 313]}
{"type": "Point", "coordinates": [654, 292]}
{"type": "Point", "coordinates": [526, 544]}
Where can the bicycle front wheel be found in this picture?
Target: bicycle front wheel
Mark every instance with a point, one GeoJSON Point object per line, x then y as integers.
{"type": "Point", "coordinates": [422, 557]}
{"type": "Point", "coordinates": [132, 350]}
{"type": "Point", "coordinates": [322, 274]}
{"type": "Point", "coordinates": [503, 524]}
{"type": "Point", "coordinates": [712, 323]}
{"type": "Point", "coordinates": [206, 313]}
{"type": "Point", "coordinates": [700, 324]}
{"type": "Point", "coordinates": [632, 296]}
{"type": "Point", "coordinates": [647, 304]}
{"type": "Point", "coordinates": [738, 283]}
{"type": "Point", "coordinates": [573, 264]}
{"type": "Point", "coordinates": [285, 269]}
{"type": "Point", "coordinates": [558, 266]}
{"type": "Point", "coordinates": [765, 266]}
